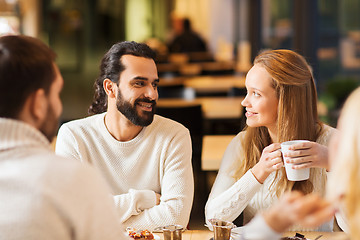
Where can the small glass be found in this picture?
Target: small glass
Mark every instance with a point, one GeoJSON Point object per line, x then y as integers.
{"type": "Point", "coordinates": [222, 229]}
{"type": "Point", "coordinates": [173, 232]}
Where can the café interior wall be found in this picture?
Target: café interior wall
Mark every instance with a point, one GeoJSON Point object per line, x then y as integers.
{"type": "Point", "coordinates": [137, 15]}
{"type": "Point", "coordinates": [21, 17]}
{"type": "Point", "coordinates": [31, 17]}
{"type": "Point", "coordinates": [221, 34]}
{"type": "Point", "coordinates": [198, 12]}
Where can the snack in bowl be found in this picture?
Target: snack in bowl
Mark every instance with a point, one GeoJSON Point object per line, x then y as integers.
{"type": "Point", "coordinates": [139, 234]}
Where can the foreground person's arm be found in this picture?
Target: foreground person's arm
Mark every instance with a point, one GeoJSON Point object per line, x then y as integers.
{"type": "Point", "coordinates": [309, 211]}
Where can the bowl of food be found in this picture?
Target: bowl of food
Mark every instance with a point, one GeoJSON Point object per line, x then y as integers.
{"type": "Point", "coordinates": [140, 234]}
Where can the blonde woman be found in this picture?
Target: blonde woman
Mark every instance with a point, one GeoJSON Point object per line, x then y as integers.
{"type": "Point", "coordinates": [345, 164]}
{"type": "Point", "coordinates": [281, 105]}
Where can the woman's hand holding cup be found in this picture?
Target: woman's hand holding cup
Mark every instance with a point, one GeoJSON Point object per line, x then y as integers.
{"type": "Point", "coordinates": [307, 154]}
{"type": "Point", "coordinates": [301, 155]}
{"type": "Point", "coordinates": [270, 161]}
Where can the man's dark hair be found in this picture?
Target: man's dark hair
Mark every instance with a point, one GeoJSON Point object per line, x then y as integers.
{"type": "Point", "coordinates": [111, 67]}
{"type": "Point", "coordinates": [26, 65]}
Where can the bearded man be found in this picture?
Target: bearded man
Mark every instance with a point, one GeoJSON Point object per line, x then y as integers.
{"type": "Point", "coordinates": [145, 158]}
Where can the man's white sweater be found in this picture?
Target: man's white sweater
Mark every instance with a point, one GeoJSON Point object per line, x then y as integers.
{"type": "Point", "coordinates": [157, 160]}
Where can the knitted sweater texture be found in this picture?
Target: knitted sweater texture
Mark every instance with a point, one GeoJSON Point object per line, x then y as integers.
{"type": "Point", "coordinates": [230, 197]}
{"type": "Point", "coordinates": [157, 160]}
{"type": "Point", "coordinates": [44, 196]}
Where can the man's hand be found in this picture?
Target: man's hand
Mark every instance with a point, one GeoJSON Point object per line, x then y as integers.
{"type": "Point", "coordinates": [294, 207]}
{"type": "Point", "coordinates": [158, 196]}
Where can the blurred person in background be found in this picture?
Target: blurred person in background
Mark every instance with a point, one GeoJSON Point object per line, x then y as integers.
{"type": "Point", "coordinates": [145, 158]}
{"type": "Point", "coordinates": [43, 196]}
{"type": "Point", "coordinates": [281, 105]}
{"type": "Point", "coordinates": [186, 40]}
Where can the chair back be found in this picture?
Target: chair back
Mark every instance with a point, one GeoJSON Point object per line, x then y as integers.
{"type": "Point", "coordinates": [191, 117]}
{"type": "Point", "coordinates": [236, 91]}
{"type": "Point", "coordinates": [176, 91]}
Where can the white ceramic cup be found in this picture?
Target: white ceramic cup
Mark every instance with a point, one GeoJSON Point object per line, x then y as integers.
{"type": "Point", "coordinates": [294, 174]}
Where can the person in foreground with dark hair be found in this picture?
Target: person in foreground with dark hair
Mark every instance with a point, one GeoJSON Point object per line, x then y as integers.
{"type": "Point", "coordinates": [145, 158]}
{"type": "Point", "coordinates": [43, 196]}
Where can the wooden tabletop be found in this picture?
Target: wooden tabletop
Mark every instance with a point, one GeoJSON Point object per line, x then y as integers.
{"type": "Point", "coordinates": [213, 150]}
{"type": "Point", "coordinates": [207, 84]}
{"type": "Point", "coordinates": [180, 61]}
{"type": "Point", "coordinates": [206, 235]}
{"type": "Point", "coordinates": [215, 84]}
{"type": "Point", "coordinates": [212, 107]}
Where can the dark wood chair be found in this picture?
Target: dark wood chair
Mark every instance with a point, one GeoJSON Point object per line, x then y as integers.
{"type": "Point", "coordinates": [236, 92]}
{"type": "Point", "coordinates": [191, 117]}
{"type": "Point", "coordinates": [176, 91]}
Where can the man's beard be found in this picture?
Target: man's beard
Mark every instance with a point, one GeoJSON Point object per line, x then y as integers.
{"type": "Point", "coordinates": [50, 125]}
{"type": "Point", "coordinates": [130, 112]}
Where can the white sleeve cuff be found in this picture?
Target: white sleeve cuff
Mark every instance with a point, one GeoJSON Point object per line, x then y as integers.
{"type": "Point", "coordinates": [144, 199]}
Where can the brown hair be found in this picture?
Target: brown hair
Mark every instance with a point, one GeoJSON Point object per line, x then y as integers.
{"type": "Point", "coordinates": [297, 116]}
{"type": "Point", "coordinates": [26, 65]}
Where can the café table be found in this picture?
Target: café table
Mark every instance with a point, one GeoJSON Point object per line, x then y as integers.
{"type": "Point", "coordinates": [179, 62]}
{"type": "Point", "coordinates": [207, 84]}
{"type": "Point", "coordinates": [213, 149]}
{"type": "Point", "coordinates": [212, 107]}
{"type": "Point", "coordinates": [206, 235]}
{"type": "Point", "coordinates": [215, 84]}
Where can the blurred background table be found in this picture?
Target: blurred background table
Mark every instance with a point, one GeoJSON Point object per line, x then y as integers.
{"type": "Point", "coordinates": [215, 84]}
{"type": "Point", "coordinates": [213, 107]}
{"type": "Point", "coordinates": [213, 150]}
{"type": "Point", "coordinates": [179, 66]}
{"type": "Point", "coordinates": [206, 84]}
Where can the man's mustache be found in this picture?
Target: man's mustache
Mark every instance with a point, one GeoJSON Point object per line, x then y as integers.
{"type": "Point", "coordinates": [147, 100]}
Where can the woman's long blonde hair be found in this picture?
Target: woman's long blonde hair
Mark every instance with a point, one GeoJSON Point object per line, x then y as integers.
{"type": "Point", "coordinates": [297, 116]}
{"type": "Point", "coordinates": [346, 169]}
